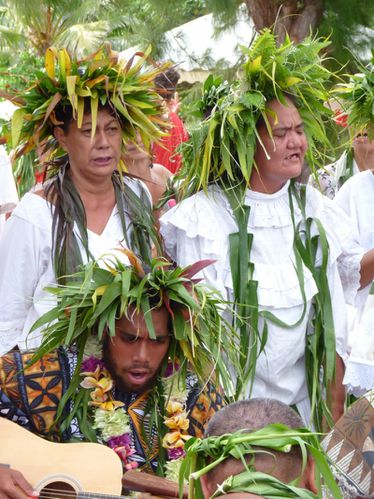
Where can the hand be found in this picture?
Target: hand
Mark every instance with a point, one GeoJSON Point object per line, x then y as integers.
{"type": "Point", "coordinates": [13, 485]}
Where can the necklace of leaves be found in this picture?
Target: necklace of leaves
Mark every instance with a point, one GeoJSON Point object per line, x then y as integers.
{"type": "Point", "coordinates": [135, 214]}
{"type": "Point", "coordinates": [320, 346]}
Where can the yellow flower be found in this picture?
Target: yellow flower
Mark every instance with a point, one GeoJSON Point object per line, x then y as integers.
{"type": "Point", "coordinates": [101, 388]}
{"type": "Point", "coordinates": [178, 422]}
{"type": "Point", "coordinates": [174, 407]}
{"type": "Point", "coordinates": [109, 405]}
{"type": "Point", "coordinates": [175, 439]}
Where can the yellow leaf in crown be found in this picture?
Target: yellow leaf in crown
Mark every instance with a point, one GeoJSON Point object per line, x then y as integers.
{"type": "Point", "coordinates": [98, 292]}
{"type": "Point", "coordinates": [292, 80]}
{"type": "Point", "coordinates": [50, 55]}
{"type": "Point", "coordinates": [134, 261]}
{"type": "Point", "coordinates": [71, 82]}
{"type": "Point", "coordinates": [254, 66]}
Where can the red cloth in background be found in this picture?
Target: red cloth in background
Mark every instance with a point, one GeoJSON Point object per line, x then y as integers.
{"type": "Point", "coordinates": [164, 151]}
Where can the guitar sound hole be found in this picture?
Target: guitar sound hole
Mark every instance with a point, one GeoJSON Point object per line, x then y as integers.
{"type": "Point", "coordinates": [58, 490]}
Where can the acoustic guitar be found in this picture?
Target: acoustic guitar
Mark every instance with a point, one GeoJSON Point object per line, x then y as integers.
{"type": "Point", "coordinates": [81, 470]}
{"type": "Point", "coordinates": [74, 470]}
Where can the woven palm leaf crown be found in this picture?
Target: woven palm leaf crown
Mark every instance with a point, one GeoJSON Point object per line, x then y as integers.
{"type": "Point", "coordinates": [203, 455]}
{"type": "Point", "coordinates": [357, 98]}
{"type": "Point", "coordinates": [107, 289]}
{"type": "Point", "coordinates": [222, 148]}
{"type": "Point", "coordinates": [96, 81]}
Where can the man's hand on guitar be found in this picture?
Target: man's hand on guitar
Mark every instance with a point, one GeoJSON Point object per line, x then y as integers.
{"type": "Point", "coordinates": [13, 485]}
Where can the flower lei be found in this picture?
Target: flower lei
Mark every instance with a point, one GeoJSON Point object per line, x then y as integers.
{"type": "Point", "coordinates": [176, 421]}
{"type": "Point", "coordinates": [112, 422]}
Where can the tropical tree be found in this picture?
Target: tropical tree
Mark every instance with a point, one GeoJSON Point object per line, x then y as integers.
{"type": "Point", "coordinates": [349, 24]}
{"type": "Point", "coordinates": [79, 25]}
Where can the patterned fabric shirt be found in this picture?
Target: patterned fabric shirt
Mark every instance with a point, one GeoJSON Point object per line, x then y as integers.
{"type": "Point", "coordinates": [29, 395]}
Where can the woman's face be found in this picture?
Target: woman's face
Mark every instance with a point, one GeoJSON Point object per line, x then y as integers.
{"type": "Point", "coordinates": [283, 156]}
{"type": "Point", "coordinates": [364, 148]}
{"type": "Point", "coordinates": [135, 151]}
{"type": "Point", "coordinates": [92, 157]}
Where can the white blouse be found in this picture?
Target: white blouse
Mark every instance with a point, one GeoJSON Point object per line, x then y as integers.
{"type": "Point", "coordinates": [356, 198]}
{"type": "Point", "coordinates": [198, 228]}
{"type": "Point", "coordinates": [26, 266]}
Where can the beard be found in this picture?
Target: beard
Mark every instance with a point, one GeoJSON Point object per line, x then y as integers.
{"type": "Point", "coordinates": [120, 382]}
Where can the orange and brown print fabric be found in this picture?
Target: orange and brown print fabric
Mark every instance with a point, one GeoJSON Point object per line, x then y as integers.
{"type": "Point", "coordinates": [350, 446]}
{"type": "Point", "coordinates": [30, 394]}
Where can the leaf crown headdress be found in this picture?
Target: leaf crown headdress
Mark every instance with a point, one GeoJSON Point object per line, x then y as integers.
{"type": "Point", "coordinates": [203, 455]}
{"type": "Point", "coordinates": [222, 147]}
{"type": "Point", "coordinates": [98, 80]}
{"type": "Point", "coordinates": [105, 290]}
{"type": "Point", "coordinates": [357, 99]}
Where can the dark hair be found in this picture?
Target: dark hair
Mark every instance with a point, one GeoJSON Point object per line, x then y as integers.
{"type": "Point", "coordinates": [166, 83]}
{"type": "Point", "coordinates": [64, 113]}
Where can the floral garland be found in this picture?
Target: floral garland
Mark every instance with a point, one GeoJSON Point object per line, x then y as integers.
{"type": "Point", "coordinates": [110, 419]}
{"type": "Point", "coordinates": [176, 421]}
{"type": "Point", "coordinates": [112, 422]}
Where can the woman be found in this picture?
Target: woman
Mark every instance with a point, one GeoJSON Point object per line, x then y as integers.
{"type": "Point", "coordinates": [86, 207]}
{"type": "Point", "coordinates": [356, 199]}
{"type": "Point", "coordinates": [277, 245]}
{"type": "Point", "coordinates": [139, 163]}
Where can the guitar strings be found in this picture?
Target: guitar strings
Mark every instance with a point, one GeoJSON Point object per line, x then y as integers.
{"type": "Point", "coordinates": [66, 493]}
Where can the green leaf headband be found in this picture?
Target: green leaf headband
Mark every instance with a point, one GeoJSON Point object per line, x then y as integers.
{"type": "Point", "coordinates": [222, 148]}
{"type": "Point", "coordinates": [357, 97]}
{"type": "Point", "coordinates": [238, 445]}
{"type": "Point", "coordinates": [126, 86]}
{"type": "Point", "coordinates": [103, 291]}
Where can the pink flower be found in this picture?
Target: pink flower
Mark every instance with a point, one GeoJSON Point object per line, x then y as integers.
{"type": "Point", "coordinates": [120, 441]}
{"type": "Point", "coordinates": [124, 453]}
{"type": "Point", "coordinates": [171, 368]}
{"type": "Point", "coordinates": [175, 453]}
{"type": "Point", "coordinates": [91, 364]}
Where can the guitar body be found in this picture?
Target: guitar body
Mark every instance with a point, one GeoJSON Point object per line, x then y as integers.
{"type": "Point", "coordinates": [82, 467]}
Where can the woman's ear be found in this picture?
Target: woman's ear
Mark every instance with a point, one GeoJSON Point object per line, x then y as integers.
{"type": "Point", "coordinates": [60, 136]}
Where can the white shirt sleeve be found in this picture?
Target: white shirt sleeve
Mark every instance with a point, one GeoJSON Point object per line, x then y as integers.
{"type": "Point", "coordinates": [23, 260]}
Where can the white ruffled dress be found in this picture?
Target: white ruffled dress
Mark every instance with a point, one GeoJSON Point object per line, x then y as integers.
{"type": "Point", "coordinates": [198, 228]}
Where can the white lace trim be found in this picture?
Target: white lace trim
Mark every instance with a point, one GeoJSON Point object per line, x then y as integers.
{"type": "Point", "coordinates": [359, 377]}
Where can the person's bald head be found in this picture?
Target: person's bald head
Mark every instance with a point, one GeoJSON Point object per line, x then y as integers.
{"type": "Point", "coordinates": [249, 416]}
